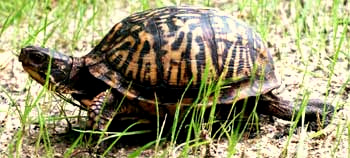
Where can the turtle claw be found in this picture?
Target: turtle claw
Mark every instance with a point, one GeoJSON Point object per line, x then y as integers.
{"type": "Point", "coordinates": [96, 119]}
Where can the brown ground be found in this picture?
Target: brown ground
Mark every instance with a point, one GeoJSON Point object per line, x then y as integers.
{"type": "Point", "coordinates": [333, 142]}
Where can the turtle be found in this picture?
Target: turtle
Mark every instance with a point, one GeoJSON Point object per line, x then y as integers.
{"type": "Point", "coordinates": [155, 61]}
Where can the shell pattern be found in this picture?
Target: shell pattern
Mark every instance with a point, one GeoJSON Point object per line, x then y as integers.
{"type": "Point", "coordinates": [170, 46]}
{"type": "Point", "coordinates": [165, 49]}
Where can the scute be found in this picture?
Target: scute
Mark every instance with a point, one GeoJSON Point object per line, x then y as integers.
{"type": "Point", "coordinates": [161, 51]}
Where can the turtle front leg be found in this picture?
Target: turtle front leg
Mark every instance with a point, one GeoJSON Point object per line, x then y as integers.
{"type": "Point", "coordinates": [98, 116]}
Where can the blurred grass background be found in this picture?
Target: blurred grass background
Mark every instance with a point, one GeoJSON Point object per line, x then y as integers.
{"type": "Point", "coordinates": [311, 37]}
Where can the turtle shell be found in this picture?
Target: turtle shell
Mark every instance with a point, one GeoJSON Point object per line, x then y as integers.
{"type": "Point", "coordinates": [160, 53]}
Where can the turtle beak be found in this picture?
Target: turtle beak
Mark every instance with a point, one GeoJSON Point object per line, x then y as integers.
{"type": "Point", "coordinates": [41, 63]}
{"type": "Point", "coordinates": [21, 57]}
{"type": "Point", "coordinates": [32, 61]}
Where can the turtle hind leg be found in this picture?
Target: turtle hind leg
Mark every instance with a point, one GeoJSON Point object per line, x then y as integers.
{"type": "Point", "coordinates": [269, 104]}
{"type": "Point", "coordinates": [317, 113]}
{"type": "Point", "coordinates": [314, 112]}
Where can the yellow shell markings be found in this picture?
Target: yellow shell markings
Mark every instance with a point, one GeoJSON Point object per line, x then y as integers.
{"type": "Point", "coordinates": [135, 57]}
{"type": "Point", "coordinates": [132, 68]}
{"type": "Point", "coordinates": [207, 63]}
{"type": "Point", "coordinates": [121, 55]}
{"type": "Point", "coordinates": [176, 57]}
{"type": "Point", "coordinates": [171, 59]}
{"type": "Point", "coordinates": [110, 35]}
{"type": "Point", "coordinates": [221, 33]}
{"type": "Point", "coordinates": [227, 60]}
{"type": "Point", "coordinates": [148, 70]}
{"type": "Point", "coordinates": [172, 45]}
{"type": "Point", "coordinates": [239, 60]}
{"type": "Point", "coordinates": [233, 52]}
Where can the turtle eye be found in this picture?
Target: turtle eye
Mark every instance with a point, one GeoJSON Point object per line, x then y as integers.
{"type": "Point", "coordinates": [37, 58]}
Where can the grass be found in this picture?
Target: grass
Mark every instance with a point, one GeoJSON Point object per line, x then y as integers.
{"type": "Point", "coordinates": [311, 37]}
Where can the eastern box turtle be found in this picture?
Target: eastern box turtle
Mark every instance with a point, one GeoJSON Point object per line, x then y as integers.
{"type": "Point", "coordinates": [152, 57]}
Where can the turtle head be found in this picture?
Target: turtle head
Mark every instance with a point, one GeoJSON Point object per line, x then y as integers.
{"type": "Point", "coordinates": [39, 62]}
